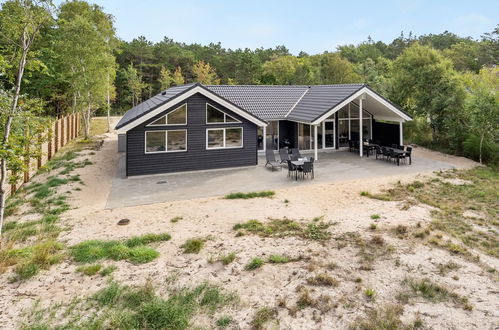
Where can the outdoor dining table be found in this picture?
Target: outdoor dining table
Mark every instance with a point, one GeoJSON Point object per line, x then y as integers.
{"type": "Point", "coordinates": [298, 163]}
{"type": "Point", "coordinates": [396, 151]}
{"type": "Point", "coordinates": [369, 147]}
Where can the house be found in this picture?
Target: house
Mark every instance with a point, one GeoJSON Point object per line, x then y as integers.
{"type": "Point", "coordinates": [197, 127]}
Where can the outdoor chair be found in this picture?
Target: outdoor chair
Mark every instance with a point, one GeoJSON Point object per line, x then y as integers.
{"type": "Point", "coordinates": [350, 145]}
{"type": "Point", "coordinates": [385, 153]}
{"type": "Point", "coordinates": [379, 152]}
{"type": "Point", "coordinates": [295, 153]}
{"type": "Point", "coordinates": [408, 153]}
{"type": "Point", "coordinates": [291, 168]}
{"type": "Point", "coordinates": [284, 155]}
{"type": "Point", "coordinates": [269, 154]}
{"type": "Point", "coordinates": [400, 147]}
{"type": "Point", "coordinates": [308, 168]}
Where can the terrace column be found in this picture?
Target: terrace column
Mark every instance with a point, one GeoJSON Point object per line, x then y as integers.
{"type": "Point", "coordinates": [264, 138]}
{"type": "Point", "coordinates": [361, 147]}
{"type": "Point", "coordinates": [401, 134]}
{"type": "Point", "coordinates": [315, 142]}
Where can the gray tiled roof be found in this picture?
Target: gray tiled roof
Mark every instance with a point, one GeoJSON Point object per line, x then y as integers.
{"type": "Point", "coordinates": [267, 102]}
{"type": "Point", "coordinates": [148, 105]}
{"type": "Point", "coordinates": [319, 99]}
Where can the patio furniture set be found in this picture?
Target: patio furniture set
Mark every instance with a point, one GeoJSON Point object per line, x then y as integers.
{"type": "Point", "coordinates": [296, 163]}
{"type": "Point", "coordinates": [393, 153]}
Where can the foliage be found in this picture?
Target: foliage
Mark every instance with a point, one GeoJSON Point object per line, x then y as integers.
{"type": "Point", "coordinates": [255, 194]}
{"type": "Point", "coordinates": [205, 74]}
{"type": "Point", "coordinates": [134, 249]}
{"type": "Point", "coordinates": [125, 307]}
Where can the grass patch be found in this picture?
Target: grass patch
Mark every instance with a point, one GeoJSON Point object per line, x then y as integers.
{"type": "Point", "coordinates": [30, 260]}
{"type": "Point", "coordinates": [133, 249]}
{"type": "Point", "coordinates": [370, 294]}
{"type": "Point", "coordinates": [228, 258]}
{"type": "Point", "coordinates": [175, 219]}
{"type": "Point", "coordinates": [262, 317]}
{"type": "Point", "coordinates": [431, 291]}
{"type": "Point", "coordinates": [381, 318]}
{"type": "Point", "coordinates": [255, 263]}
{"type": "Point", "coordinates": [477, 193]}
{"type": "Point", "coordinates": [323, 279]}
{"type": "Point", "coordinates": [278, 259]}
{"type": "Point", "coordinates": [90, 269]}
{"type": "Point", "coordinates": [193, 245]}
{"type": "Point", "coordinates": [255, 194]}
{"type": "Point", "coordinates": [224, 321]}
{"type": "Point", "coordinates": [107, 270]}
{"type": "Point", "coordinates": [285, 227]}
{"type": "Point", "coordinates": [122, 307]}
{"type": "Point", "coordinates": [375, 216]}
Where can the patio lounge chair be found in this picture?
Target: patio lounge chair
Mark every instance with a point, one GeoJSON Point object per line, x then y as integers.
{"type": "Point", "coordinates": [283, 153]}
{"type": "Point", "coordinates": [269, 154]}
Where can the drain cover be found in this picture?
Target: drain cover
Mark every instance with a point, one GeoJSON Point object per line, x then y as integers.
{"type": "Point", "coordinates": [161, 182]}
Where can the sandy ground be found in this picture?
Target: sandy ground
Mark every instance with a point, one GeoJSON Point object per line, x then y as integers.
{"type": "Point", "coordinates": [339, 203]}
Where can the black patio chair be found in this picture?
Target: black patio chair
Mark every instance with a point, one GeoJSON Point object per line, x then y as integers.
{"type": "Point", "coordinates": [284, 155]}
{"type": "Point", "coordinates": [396, 156]}
{"type": "Point", "coordinates": [400, 147]}
{"type": "Point", "coordinates": [308, 168]}
{"type": "Point", "coordinates": [385, 153]}
{"type": "Point", "coordinates": [379, 152]}
{"type": "Point", "coordinates": [291, 168]}
{"type": "Point", "coordinates": [269, 155]}
{"type": "Point", "coordinates": [350, 145]}
{"type": "Point", "coordinates": [295, 153]}
{"type": "Point", "coordinates": [408, 153]}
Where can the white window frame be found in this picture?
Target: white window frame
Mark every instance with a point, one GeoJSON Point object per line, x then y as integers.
{"type": "Point", "coordinates": [166, 117]}
{"type": "Point", "coordinates": [224, 138]}
{"type": "Point", "coordinates": [166, 141]}
{"type": "Point", "coordinates": [225, 116]}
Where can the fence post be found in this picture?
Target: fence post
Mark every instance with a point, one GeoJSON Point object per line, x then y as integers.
{"type": "Point", "coordinates": [56, 142]}
{"type": "Point", "coordinates": [49, 154]}
{"type": "Point", "coordinates": [63, 140]}
{"type": "Point", "coordinates": [39, 158]}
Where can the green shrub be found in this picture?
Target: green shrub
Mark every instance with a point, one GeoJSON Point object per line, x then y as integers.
{"type": "Point", "coordinates": [224, 321]}
{"type": "Point", "coordinates": [142, 254]}
{"type": "Point", "coordinates": [227, 259]}
{"type": "Point", "coordinates": [254, 264]}
{"type": "Point", "coordinates": [193, 245]}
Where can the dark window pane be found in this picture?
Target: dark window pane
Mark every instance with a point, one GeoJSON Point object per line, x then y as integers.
{"type": "Point", "coordinates": [230, 119]}
{"type": "Point", "coordinates": [233, 137]}
{"type": "Point", "coordinates": [155, 141]}
{"type": "Point", "coordinates": [177, 140]}
{"type": "Point", "coordinates": [159, 121]}
{"type": "Point", "coordinates": [213, 115]}
{"type": "Point", "coordinates": [216, 138]}
{"type": "Point", "coordinates": [178, 116]}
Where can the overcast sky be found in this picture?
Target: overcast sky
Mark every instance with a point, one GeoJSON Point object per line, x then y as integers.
{"type": "Point", "coordinates": [311, 26]}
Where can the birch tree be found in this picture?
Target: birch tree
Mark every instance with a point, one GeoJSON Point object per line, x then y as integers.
{"type": "Point", "coordinates": [20, 24]}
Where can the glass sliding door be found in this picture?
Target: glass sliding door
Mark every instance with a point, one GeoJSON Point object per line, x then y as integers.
{"type": "Point", "coordinates": [260, 138]}
{"type": "Point", "coordinates": [304, 137]}
{"type": "Point", "coordinates": [329, 134]}
{"type": "Point", "coordinates": [272, 136]}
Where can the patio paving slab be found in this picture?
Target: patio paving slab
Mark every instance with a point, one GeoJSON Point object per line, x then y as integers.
{"type": "Point", "coordinates": [331, 167]}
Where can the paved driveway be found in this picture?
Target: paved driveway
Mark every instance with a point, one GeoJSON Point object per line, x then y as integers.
{"type": "Point", "coordinates": [331, 167]}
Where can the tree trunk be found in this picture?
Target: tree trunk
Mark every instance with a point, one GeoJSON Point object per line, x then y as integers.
{"type": "Point", "coordinates": [8, 125]}
{"type": "Point", "coordinates": [86, 121]}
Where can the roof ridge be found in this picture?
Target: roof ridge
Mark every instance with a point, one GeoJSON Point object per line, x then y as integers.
{"type": "Point", "coordinates": [298, 101]}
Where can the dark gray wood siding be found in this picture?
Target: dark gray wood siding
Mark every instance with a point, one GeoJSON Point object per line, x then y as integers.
{"type": "Point", "coordinates": [196, 157]}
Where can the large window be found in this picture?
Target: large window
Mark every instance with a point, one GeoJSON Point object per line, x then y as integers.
{"type": "Point", "coordinates": [216, 116]}
{"type": "Point", "coordinates": [304, 137]}
{"type": "Point", "coordinates": [224, 138]}
{"type": "Point", "coordinates": [176, 117]}
{"type": "Point", "coordinates": [165, 141]}
{"type": "Point", "coordinates": [349, 124]}
{"type": "Point", "coordinates": [272, 138]}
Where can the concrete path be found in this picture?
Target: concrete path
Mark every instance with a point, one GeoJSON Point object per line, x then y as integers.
{"type": "Point", "coordinates": [331, 167]}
